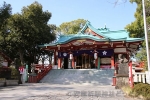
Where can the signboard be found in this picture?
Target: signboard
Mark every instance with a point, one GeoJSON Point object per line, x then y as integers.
{"type": "Point", "coordinates": [5, 64]}
{"type": "Point", "coordinates": [118, 50]}
{"type": "Point", "coordinates": [105, 60]}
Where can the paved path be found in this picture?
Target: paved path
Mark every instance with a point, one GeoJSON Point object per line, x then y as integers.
{"type": "Point", "coordinates": [45, 91]}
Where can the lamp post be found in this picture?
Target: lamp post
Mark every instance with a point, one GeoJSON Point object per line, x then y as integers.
{"type": "Point", "coordinates": [96, 58]}
{"type": "Point", "coordinates": [70, 61]}
{"type": "Point", "coordinates": [146, 40]}
{"type": "Point", "coordinates": [95, 55]}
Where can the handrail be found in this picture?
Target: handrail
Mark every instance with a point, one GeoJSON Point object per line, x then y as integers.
{"type": "Point", "coordinates": [44, 71]}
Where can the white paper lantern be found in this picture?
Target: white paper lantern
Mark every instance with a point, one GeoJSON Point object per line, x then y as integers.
{"type": "Point", "coordinates": [95, 55]}
{"type": "Point", "coordinates": [71, 56]}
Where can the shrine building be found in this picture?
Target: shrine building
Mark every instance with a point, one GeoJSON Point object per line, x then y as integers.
{"type": "Point", "coordinates": [93, 48]}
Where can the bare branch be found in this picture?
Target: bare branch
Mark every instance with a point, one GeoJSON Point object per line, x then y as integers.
{"type": "Point", "coordinates": [118, 2]}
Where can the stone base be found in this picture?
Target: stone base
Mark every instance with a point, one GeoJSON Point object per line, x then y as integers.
{"type": "Point", "coordinates": [2, 84]}
{"type": "Point", "coordinates": [112, 67]}
{"type": "Point", "coordinates": [121, 80]}
{"type": "Point", "coordinates": [12, 82]}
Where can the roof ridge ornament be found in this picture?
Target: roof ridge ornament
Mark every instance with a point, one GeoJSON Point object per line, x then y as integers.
{"type": "Point", "coordinates": [88, 22]}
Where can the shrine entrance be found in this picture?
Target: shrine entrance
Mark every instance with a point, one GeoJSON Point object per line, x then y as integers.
{"type": "Point", "coordinates": [66, 63]}
{"type": "Point", "coordinates": [84, 61]}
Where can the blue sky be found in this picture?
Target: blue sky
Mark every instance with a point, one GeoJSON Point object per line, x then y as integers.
{"type": "Point", "coordinates": [98, 12]}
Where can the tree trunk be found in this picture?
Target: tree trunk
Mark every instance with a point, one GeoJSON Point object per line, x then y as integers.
{"type": "Point", "coordinates": [50, 59]}
{"type": "Point", "coordinates": [21, 56]}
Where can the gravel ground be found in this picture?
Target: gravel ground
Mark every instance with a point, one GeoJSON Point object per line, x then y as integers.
{"type": "Point", "coordinates": [45, 91]}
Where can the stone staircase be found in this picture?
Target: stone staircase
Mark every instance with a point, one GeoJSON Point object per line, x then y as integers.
{"type": "Point", "coordinates": [79, 76]}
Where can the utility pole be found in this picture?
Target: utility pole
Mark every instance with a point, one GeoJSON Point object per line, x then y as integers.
{"type": "Point", "coordinates": [146, 40]}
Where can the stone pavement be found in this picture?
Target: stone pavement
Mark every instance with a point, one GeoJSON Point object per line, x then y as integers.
{"type": "Point", "coordinates": [45, 91]}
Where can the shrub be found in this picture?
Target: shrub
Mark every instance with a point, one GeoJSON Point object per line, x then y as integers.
{"type": "Point", "coordinates": [141, 89]}
{"type": "Point", "coordinates": [127, 90]}
{"type": "Point", "coordinates": [14, 73]}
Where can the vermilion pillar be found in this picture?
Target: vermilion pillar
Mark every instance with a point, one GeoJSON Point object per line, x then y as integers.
{"type": "Point", "coordinates": [59, 63]}
{"type": "Point", "coordinates": [112, 62]}
{"type": "Point", "coordinates": [55, 57]}
{"type": "Point", "coordinates": [96, 62]}
{"type": "Point", "coordinates": [73, 64]}
{"type": "Point", "coordinates": [130, 75]}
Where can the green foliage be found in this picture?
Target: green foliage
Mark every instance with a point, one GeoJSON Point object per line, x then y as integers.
{"type": "Point", "coordinates": [25, 31]}
{"type": "Point", "coordinates": [72, 27]}
{"type": "Point", "coordinates": [142, 56]}
{"type": "Point", "coordinates": [1, 60]}
{"type": "Point", "coordinates": [136, 28]}
{"type": "Point", "coordinates": [14, 72]}
{"type": "Point", "coordinates": [127, 90]}
{"type": "Point", "coordinates": [141, 89]}
{"type": "Point", "coordinates": [5, 14]}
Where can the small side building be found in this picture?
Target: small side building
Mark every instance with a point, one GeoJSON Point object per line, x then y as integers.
{"type": "Point", "coordinates": [5, 72]}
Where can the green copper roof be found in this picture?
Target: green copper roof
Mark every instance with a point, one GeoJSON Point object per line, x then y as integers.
{"type": "Point", "coordinates": [120, 35]}
{"type": "Point", "coordinates": [116, 34]}
{"type": "Point", "coordinates": [68, 38]}
{"type": "Point", "coordinates": [98, 31]}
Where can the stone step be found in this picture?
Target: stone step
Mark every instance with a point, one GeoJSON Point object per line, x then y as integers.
{"type": "Point", "coordinates": [79, 76]}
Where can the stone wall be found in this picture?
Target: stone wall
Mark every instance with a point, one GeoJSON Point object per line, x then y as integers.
{"type": "Point", "coordinates": [8, 82]}
{"type": "Point", "coordinates": [11, 82]}
{"type": "Point", "coordinates": [2, 83]}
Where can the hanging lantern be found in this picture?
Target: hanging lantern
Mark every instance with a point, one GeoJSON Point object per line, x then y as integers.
{"type": "Point", "coordinates": [71, 56]}
{"type": "Point", "coordinates": [95, 55]}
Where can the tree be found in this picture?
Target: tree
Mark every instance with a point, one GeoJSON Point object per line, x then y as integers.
{"type": "Point", "coordinates": [28, 30]}
{"type": "Point", "coordinates": [5, 14]}
{"type": "Point", "coordinates": [136, 28]}
{"type": "Point", "coordinates": [72, 27]}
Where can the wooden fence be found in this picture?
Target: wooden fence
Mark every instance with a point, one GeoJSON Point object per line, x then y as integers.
{"type": "Point", "coordinates": [142, 77]}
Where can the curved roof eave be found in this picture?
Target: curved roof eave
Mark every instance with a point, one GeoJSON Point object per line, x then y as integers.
{"type": "Point", "coordinates": [118, 39]}
{"type": "Point", "coordinates": [83, 37]}
{"type": "Point", "coordinates": [135, 40]}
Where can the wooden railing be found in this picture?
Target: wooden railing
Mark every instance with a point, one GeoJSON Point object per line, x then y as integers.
{"type": "Point", "coordinates": [43, 71]}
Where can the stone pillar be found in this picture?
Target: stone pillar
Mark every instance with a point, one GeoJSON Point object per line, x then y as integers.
{"type": "Point", "coordinates": [112, 62]}
{"type": "Point", "coordinates": [59, 63]}
{"type": "Point", "coordinates": [26, 78]}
